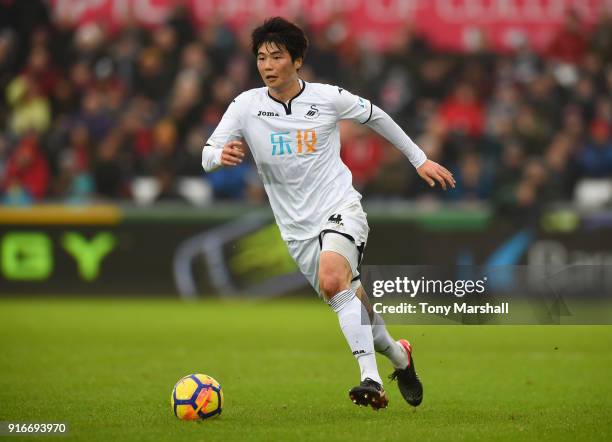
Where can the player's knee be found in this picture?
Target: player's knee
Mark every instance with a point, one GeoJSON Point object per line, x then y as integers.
{"type": "Point", "coordinates": [331, 283]}
{"type": "Point", "coordinates": [334, 276]}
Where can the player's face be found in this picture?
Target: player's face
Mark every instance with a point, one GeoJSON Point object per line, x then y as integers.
{"type": "Point", "coordinates": [275, 66]}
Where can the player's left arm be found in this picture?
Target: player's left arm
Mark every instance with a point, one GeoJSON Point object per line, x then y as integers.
{"type": "Point", "coordinates": [358, 109]}
{"type": "Point", "coordinates": [429, 170]}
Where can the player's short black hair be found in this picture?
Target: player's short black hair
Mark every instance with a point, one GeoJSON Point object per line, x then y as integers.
{"type": "Point", "coordinates": [284, 34]}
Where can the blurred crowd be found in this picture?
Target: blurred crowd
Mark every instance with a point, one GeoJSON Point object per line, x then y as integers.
{"type": "Point", "coordinates": [87, 114]}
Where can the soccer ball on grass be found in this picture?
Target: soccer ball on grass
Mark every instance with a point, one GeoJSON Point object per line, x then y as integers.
{"type": "Point", "coordinates": [197, 396]}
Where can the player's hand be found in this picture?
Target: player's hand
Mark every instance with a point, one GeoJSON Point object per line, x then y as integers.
{"type": "Point", "coordinates": [431, 172]}
{"type": "Point", "coordinates": [232, 154]}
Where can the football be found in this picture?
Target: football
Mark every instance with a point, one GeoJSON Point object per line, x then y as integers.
{"type": "Point", "coordinates": [197, 396]}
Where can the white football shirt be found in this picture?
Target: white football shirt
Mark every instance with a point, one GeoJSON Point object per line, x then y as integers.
{"type": "Point", "coordinates": [296, 147]}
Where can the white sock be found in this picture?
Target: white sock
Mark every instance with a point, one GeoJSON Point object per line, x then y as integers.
{"type": "Point", "coordinates": [350, 313]}
{"type": "Point", "coordinates": [384, 344]}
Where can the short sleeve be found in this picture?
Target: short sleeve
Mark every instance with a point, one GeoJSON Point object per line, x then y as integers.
{"type": "Point", "coordinates": [352, 107]}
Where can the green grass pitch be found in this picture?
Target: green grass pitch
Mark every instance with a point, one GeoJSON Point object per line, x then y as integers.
{"type": "Point", "coordinates": [107, 366]}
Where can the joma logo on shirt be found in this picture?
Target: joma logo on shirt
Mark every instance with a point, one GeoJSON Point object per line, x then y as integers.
{"type": "Point", "coordinates": [267, 114]}
{"type": "Point", "coordinates": [283, 144]}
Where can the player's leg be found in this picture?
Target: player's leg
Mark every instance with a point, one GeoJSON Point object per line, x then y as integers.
{"type": "Point", "coordinates": [398, 352]}
{"type": "Point", "coordinates": [383, 342]}
{"type": "Point", "coordinates": [335, 275]}
{"type": "Point", "coordinates": [351, 222]}
{"type": "Point", "coordinates": [335, 283]}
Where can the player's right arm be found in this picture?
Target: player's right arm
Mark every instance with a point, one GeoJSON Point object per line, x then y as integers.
{"type": "Point", "coordinates": [225, 146]}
